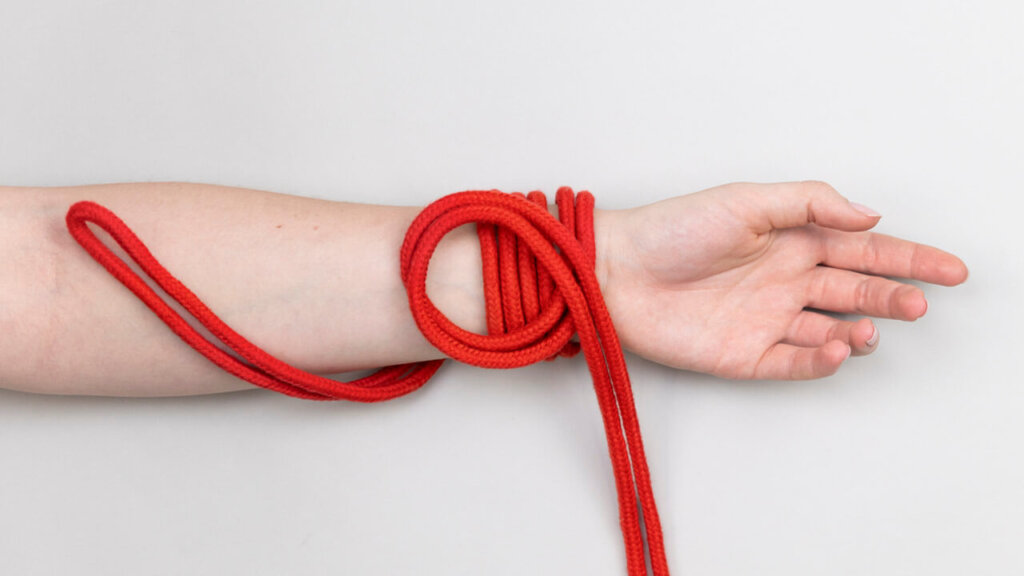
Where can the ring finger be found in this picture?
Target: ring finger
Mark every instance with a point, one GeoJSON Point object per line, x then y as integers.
{"type": "Point", "coordinates": [812, 329]}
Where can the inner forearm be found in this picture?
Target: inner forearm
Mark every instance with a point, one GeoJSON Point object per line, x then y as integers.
{"type": "Point", "coordinates": [313, 282]}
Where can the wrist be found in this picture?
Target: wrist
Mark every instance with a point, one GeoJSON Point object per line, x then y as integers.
{"type": "Point", "coordinates": [609, 242]}
{"type": "Point", "coordinates": [612, 241]}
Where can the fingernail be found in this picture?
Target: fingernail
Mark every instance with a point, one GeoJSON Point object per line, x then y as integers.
{"type": "Point", "coordinates": [874, 337]}
{"type": "Point", "coordinates": [865, 210]}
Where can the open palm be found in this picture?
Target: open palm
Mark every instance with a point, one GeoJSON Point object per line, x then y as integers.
{"type": "Point", "coordinates": [733, 280]}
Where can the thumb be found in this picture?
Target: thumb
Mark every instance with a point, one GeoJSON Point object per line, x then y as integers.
{"type": "Point", "coordinates": [793, 204]}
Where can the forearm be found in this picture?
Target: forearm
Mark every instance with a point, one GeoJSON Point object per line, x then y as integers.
{"type": "Point", "coordinates": [719, 281]}
{"type": "Point", "coordinates": [313, 282]}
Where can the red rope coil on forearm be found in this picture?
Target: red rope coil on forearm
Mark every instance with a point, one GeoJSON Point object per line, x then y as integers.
{"type": "Point", "coordinates": [540, 289]}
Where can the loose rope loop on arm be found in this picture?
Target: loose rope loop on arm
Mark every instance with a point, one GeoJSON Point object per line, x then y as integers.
{"type": "Point", "coordinates": [540, 288]}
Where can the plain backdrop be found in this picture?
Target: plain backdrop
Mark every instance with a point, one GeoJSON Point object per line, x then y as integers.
{"type": "Point", "coordinates": [907, 462]}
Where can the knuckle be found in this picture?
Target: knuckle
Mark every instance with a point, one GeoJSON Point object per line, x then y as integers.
{"type": "Point", "coordinates": [915, 261]}
{"type": "Point", "coordinates": [862, 295]}
{"type": "Point", "coordinates": [833, 332]}
{"type": "Point", "coordinates": [869, 253]}
{"type": "Point", "coordinates": [820, 187]}
{"type": "Point", "coordinates": [820, 286]}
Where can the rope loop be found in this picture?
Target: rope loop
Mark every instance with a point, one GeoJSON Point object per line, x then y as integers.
{"type": "Point", "coordinates": [526, 279]}
{"type": "Point", "coordinates": [540, 288]}
{"type": "Point", "coordinates": [252, 363]}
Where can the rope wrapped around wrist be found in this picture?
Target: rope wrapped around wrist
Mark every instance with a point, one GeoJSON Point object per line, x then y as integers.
{"type": "Point", "coordinates": [540, 288]}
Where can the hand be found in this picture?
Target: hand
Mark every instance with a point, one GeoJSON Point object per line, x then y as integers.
{"type": "Point", "coordinates": [727, 281]}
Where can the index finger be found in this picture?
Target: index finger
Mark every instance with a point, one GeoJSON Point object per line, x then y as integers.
{"type": "Point", "coordinates": [885, 255]}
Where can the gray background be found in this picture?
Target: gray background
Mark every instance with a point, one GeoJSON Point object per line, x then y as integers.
{"type": "Point", "coordinates": [907, 462]}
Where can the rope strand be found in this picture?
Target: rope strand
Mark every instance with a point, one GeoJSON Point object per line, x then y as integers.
{"type": "Point", "coordinates": [540, 288]}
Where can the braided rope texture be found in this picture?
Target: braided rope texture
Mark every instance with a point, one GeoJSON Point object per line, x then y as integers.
{"type": "Point", "coordinates": [540, 289]}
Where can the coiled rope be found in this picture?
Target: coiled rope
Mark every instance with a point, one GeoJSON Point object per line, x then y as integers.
{"type": "Point", "coordinates": [540, 288]}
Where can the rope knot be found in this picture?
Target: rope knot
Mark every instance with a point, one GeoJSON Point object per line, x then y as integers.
{"type": "Point", "coordinates": [525, 253]}
{"type": "Point", "coordinates": [537, 267]}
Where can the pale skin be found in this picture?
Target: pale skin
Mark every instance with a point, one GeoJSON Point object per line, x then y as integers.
{"type": "Point", "coordinates": [729, 281]}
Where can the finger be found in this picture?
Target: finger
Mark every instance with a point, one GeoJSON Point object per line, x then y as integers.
{"type": "Point", "coordinates": [815, 329]}
{"type": "Point", "coordinates": [888, 256]}
{"type": "Point", "coordinates": [792, 204]}
{"type": "Point", "coordinates": [849, 292]}
{"type": "Point", "coordinates": [788, 362]}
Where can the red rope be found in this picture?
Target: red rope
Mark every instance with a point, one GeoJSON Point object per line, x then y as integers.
{"type": "Point", "coordinates": [540, 289]}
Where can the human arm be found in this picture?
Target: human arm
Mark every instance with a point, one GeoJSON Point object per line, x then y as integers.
{"type": "Point", "coordinates": [714, 282]}
{"type": "Point", "coordinates": [313, 282]}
